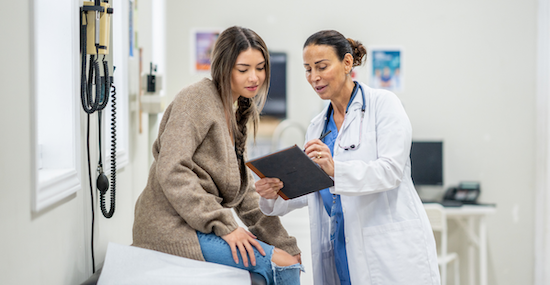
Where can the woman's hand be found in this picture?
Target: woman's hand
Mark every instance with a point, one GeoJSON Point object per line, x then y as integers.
{"type": "Point", "coordinates": [269, 187]}
{"type": "Point", "coordinates": [320, 154]}
{"type": "Point", "coordinates": [243, 240]}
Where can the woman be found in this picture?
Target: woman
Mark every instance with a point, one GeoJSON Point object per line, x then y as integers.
{"type": "Point", "coordinates": [371, 227]}
{"type": "Point", "coordinates": [199, 173]}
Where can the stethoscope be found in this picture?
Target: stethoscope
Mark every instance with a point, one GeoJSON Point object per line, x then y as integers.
{"type": "Point", "coordinates": [329, 111]}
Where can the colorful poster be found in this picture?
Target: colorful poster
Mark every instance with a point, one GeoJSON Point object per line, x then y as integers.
{"type": "Point", "coordinates": [386, 69]}
{"type": "Point", "coordinates": [203, 43]}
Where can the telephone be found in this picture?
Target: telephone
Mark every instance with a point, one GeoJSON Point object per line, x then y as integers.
{"type": "Point", "coordinates": [466, 192]}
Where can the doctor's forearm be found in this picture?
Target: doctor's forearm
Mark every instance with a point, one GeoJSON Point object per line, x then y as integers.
{"type": "Point", "coordinates": [359, 178]}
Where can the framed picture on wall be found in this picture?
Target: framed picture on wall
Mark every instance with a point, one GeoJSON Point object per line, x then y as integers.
{"type": "Point", "coordinates": [202, 43]}
{"type": "Point", "coordinates": [385, 67]}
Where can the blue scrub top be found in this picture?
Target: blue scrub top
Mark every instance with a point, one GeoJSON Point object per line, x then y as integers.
{"type": "Point", "coordinates": [333, 205]}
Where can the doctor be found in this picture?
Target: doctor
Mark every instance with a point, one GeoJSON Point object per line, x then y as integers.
{"type": "Point", "coordinates": [371, 227]}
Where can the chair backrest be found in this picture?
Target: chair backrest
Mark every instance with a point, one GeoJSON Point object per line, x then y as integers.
{"type": "Point", "coordinates": [438, 221]}
{"type": "Point", "coordinates": [437, 217]}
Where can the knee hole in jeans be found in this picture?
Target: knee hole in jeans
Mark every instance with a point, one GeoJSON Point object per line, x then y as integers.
{"type": "Point", "coordinates": [282, 258]}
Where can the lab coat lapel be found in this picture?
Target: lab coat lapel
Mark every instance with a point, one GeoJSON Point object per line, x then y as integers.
{"type": "Point", "coordinates": [350, 117]}
{"type": "Point", "coordinates": [317, 125]}
{"type": "Point", "coordinates": [354, 110]}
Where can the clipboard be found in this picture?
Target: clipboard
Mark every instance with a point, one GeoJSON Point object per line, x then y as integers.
{"type": "Point", "coordinates": [300, 175]}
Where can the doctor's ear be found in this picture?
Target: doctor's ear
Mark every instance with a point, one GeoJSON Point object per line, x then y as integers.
{"type": "Point", "coordinates": [348, 63]}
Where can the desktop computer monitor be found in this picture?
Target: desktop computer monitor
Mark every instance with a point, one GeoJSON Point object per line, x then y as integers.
{"type": "Point", "coordinates": [427, 163]}
{"type": "Point", "coordinates": [275, 104]}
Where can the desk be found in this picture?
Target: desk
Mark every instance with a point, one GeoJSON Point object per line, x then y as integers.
{"type": "Point", "coordinates": [466, 217]}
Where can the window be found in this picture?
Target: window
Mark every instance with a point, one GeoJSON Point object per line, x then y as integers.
{"type": "Point", "coordinates": [56, 122]}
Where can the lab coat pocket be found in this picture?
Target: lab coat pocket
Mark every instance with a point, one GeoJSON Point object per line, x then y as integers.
{"type": "Point", "coordinates": [396, 253]}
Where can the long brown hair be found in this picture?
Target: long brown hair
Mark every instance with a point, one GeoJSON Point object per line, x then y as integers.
{"type": "Point", "coordinates": [229, 45]}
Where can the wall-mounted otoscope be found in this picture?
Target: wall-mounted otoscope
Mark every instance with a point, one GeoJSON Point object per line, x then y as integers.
{"type": "Point", "coordinates": [98, 26]}
{"type": "Point", "coordinates": [95, 32]}
{"type": "Point", "coordinates": [96, 85]}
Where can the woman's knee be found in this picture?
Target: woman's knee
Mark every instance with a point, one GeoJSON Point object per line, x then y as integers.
{"type": "Point", "coordinates": [282, 258]}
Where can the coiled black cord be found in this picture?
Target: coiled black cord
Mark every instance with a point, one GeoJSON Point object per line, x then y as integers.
{"type": "Point", "coordinates": [111, 211]}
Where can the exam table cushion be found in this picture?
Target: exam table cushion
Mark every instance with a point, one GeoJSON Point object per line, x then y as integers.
{"type": "Point", "coordinates": [133, 265]}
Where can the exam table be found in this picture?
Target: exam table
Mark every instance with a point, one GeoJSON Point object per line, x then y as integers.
{"type": "Point", "coordinates": [133, 265]}
{"type": "Point", "coordinates": [255, 279]}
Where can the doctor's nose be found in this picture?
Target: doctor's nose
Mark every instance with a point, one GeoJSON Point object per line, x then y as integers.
{"type": "Point", "coordinates": [314, 76]}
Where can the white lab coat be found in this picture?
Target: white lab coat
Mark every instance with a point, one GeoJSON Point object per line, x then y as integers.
{"type": "Point", "coordinates": [388, 236]}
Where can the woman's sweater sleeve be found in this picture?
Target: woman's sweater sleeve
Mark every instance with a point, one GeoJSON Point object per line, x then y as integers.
{"type": "Point", "coordinates": [185, 128]}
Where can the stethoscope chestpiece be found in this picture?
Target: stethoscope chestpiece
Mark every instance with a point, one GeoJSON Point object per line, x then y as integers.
{"type": "Point", "coordinates": [352, 147]}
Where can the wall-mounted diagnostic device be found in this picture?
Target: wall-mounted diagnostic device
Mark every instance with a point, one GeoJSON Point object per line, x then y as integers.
{"type": "Point", "coordinates": [151, 101]}
{"type": "Point", "coordinates": [152, 80]}
{"type": "Point", "coordinates": [96, 89]}
{"type": "Point", "coordinates": [95, 36]}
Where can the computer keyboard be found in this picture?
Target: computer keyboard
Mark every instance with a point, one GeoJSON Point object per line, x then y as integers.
{"type": "Point", "coordinates": [451, 203]}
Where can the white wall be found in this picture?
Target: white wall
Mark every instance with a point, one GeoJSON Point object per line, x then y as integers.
{"type": "Point", "coordinates": [52, 246]}
{"type": "Point", "coordinates": [469, 68]}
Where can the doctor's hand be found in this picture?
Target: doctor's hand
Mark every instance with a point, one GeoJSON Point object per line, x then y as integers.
{"type": "Point", "coordinates": [299, 257]}
{"type": "Point", "coordinates": [269, 187]}
{"type": "Point", "coordinates": [320, 154]}
{"type": "Point", "coordinates": [243, 240]}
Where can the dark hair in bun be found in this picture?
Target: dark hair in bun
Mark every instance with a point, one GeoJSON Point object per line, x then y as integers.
{"type": "Point", "coordinates": [359, 52]}
{"type": "Point", "coordinates": [341, 45]}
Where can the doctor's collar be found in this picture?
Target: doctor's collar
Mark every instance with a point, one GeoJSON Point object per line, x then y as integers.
{"type": "Point", "coordinates": [356, 87]}
{"type": "Point", "coordinates": [353, 93]}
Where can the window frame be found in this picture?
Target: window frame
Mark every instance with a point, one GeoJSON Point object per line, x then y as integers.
{"type": "Point", "coordinates": [56, 141]}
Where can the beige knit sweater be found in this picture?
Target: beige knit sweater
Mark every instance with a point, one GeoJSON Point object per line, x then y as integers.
{"type": "Point", "coordinates": [195, 180]}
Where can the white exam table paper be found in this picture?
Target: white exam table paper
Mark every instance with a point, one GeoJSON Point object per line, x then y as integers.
{"type": "Point", "coordinates": [135, 266]}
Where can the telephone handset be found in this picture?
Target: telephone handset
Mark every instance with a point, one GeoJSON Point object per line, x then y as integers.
{"type": "Point", "coordinates": [465, 192]}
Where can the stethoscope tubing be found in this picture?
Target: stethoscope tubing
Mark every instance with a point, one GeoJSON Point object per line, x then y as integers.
{"type": "Point", "coordinates": [363, 107]}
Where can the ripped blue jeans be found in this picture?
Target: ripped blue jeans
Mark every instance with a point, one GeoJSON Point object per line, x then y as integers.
{"type": "Point", "coordinates": [216, 250]}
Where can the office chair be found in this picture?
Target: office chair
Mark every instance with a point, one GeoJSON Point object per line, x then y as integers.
{"type": "Point", "coordinates": [438, 221]}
